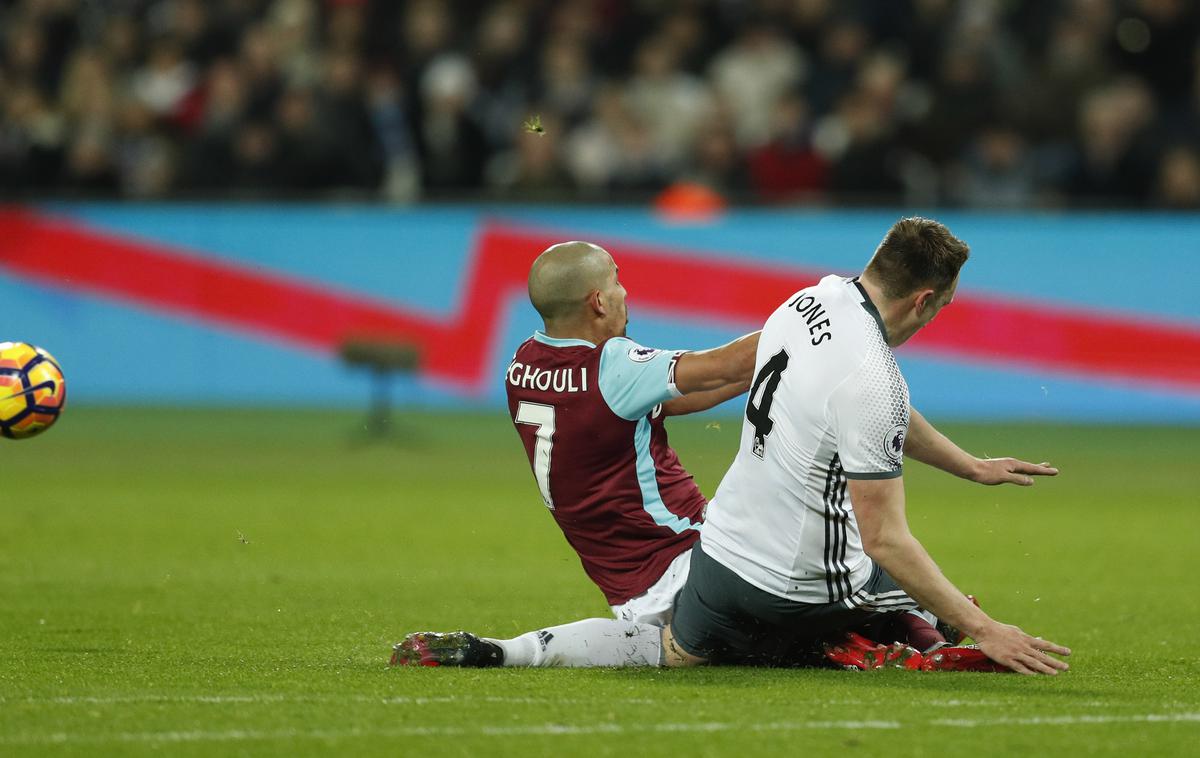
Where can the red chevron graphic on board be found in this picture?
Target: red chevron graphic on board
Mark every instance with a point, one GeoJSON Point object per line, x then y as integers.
{"type": "Point", "coordinates": [64, 254]}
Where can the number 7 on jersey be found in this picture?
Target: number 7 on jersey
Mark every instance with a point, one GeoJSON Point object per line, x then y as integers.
{"type": "Point", "coordinates": [541, 418]}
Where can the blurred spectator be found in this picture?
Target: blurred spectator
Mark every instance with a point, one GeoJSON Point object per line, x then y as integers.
{"type": "Point", "coordinates": [425, 34]}
{"type": "Point", "coordinates": [451, 144]}
{"type": "Point", "coordinates": [190, 23]}
{"type": "Point", "coordinates": [842, 46]}
{"type": "Point", "coordinates": [974, 102]}
{"type": "Point", "coordinates": [87, 95]}
{"type": "Point", "coordinates": [145, 158]}
{"type": "Point", "coordinates": [687, 31]}
{"type": "Point", "coordinates": [293, 27]}
{"type": "Point", "coordinates": [1113, 162]}
{"type": "Point", "coordinates": [924, 33]}
{"type": "Point", "coordinates": [532, 169]}
{"type": "Point", "coordinates": [32, 141]}
{"type": "Point", "coordinates": [787, 167]}
{"type": "Point", "coordinates": [963, 103]}
{"type": "Point", "coordinates": [997, 171]}
{"type": "Point", "coordinates": [1156, 40]}
{"type": "Point", "coordinates": [501, 71]}
{"type": "Point", "coordinates": [668, 101]}
{"type": "Point", "coordinates": [866, 156]}
{"type": "Point", "coordinates": [613, 150]}
{"type": "Point", "coordinates": [389, 113]}
{"type": "Point", "coordinates": [121, 40]}
{"type": "Point", "coordinates": [567, 83]}
{"type": "Point", "coordinates": [166, 80]}
{"type": "Point", "coordinates": [715, 162]}
{"type": "Point", "coordinates": [257, 163]}
{"type": "Point", "coordinates": [1074, 63]}
{"type": "Point", "coordinates": [90, 167]}
{"type": "Point", "coordinates": [808, 22]}
{"type": "Point", "coordinates": [1178, 183]}
{"type": "Point", "coordinates": [258, 57]}
{"type": "Point", "coordinates": [309, 158]}
{"type": "Point", "coordinates": [344, 126]}
{"type": "Point", "coordinates": [751, 74]}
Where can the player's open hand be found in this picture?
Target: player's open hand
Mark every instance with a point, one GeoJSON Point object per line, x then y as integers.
{"type": "Point", "coordinates": [1010, 471]}
{"type": "Point", "coordinates": [1008, 645]}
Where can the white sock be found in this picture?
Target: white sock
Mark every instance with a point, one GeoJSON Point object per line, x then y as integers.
{"type": "Point", "coordinates": [591, 642]}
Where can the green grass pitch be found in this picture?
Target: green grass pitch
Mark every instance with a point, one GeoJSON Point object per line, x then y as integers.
{"type": "Point", "coordinates": [229, 582]}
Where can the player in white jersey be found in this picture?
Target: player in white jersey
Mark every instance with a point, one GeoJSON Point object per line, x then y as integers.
{"type": "Point", "coordinates": [806, 534]}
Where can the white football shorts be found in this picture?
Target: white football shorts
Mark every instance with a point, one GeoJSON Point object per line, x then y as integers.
{"type": "Point", "coordinates": [655, 605]}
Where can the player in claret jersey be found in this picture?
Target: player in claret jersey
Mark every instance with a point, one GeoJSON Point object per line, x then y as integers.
{"type": "Point", "coordinates": [589, 405]}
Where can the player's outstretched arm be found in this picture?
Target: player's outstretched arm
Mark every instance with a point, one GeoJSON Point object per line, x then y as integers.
{"type": "Point", "coordinates": [727, 367]}
{"type": "Point", "coordinates": [702, 401]}
{"type": "Point", "coordinates": [929, 446]}
{"type": "Point", "coordinates": [879, 510]}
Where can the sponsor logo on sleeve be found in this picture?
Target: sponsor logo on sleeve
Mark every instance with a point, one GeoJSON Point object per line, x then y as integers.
{"type": "Point", "coordinates": [893, 443]}
{"type": "Point", "coordinates": [642, 354]}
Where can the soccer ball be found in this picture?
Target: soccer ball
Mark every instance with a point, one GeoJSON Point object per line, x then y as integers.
{"type": "Point", "coordinates": [32, 390]}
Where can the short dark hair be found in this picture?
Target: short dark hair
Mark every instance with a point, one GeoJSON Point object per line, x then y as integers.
{"type": "Point", "coordinates": [917, 253]}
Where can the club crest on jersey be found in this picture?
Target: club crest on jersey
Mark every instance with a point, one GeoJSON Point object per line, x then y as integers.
{"type": "Point", "coordinates": [642, 354]}
{"type": "Point", "coordinates": [893, 442]}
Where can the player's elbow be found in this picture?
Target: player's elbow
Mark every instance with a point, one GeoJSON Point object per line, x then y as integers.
{"type": "Point", "coordinates": [881, 544]}
{"type": "Point", "coordinates": [873, 546]}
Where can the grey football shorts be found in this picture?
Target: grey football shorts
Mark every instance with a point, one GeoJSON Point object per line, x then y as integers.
{"type": "Point", "coordinates": [724, 618]}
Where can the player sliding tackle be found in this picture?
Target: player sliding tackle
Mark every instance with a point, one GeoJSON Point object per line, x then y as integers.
{"type": "Point", "coordinates": [589, 407]}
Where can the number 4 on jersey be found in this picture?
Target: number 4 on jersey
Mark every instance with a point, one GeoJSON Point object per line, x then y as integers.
{"type": "Point", "coordinates": [767, 382]}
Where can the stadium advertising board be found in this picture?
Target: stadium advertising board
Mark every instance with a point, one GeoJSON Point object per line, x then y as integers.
{"type": "Point", "coordinates": [1058, 317]}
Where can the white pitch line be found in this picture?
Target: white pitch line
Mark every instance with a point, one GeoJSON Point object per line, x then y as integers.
{"type": "Point", "coordinates": [532, 730]}
{"type": "Point", "coordinates": [123, 699]}
{"type": "Point", "coordinates": [1149, 718]}
{"type": "Point", "coordinates": [283, 698]}
{"type": "Point", "coordinates": [558, 730]}
{"type": "Point", "coordinates": [268, 697]}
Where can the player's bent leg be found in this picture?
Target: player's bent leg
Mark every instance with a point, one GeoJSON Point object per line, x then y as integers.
{"type": "Point", "coordinates": [909, 627]}
{"type": "Point", "coordinates": [584, 644]}
{"type": "Point", "coordinates": [624, 641]}
{"type": "Point", "coordinates": [587, 643]}
{"type": "Point", "coordinates": [633, 638]}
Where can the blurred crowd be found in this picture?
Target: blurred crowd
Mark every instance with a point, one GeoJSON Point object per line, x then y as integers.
{"type": "Point", "coordinates": [974, 103]}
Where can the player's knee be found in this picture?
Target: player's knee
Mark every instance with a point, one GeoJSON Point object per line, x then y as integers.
{"type": "Point", "coordinates": [674, 656]}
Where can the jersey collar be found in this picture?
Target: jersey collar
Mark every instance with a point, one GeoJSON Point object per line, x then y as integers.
{"type": "Point", "coordinates": [556, 342]}
{"type": "Point", "coordinates": [870, 308]}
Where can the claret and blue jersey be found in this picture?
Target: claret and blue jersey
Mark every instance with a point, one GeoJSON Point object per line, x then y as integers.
{"type": "Point", "coordinates": [591, 420]}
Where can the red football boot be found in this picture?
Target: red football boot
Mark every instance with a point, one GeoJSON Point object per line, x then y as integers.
{"type": "Point", "coordinates": [961, 658]}
{"type": "Point", "coordinates": [856, 652]}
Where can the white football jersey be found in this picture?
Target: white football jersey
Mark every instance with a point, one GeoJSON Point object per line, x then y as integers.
{"type": "Point", "coordinates": [828, 403]}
